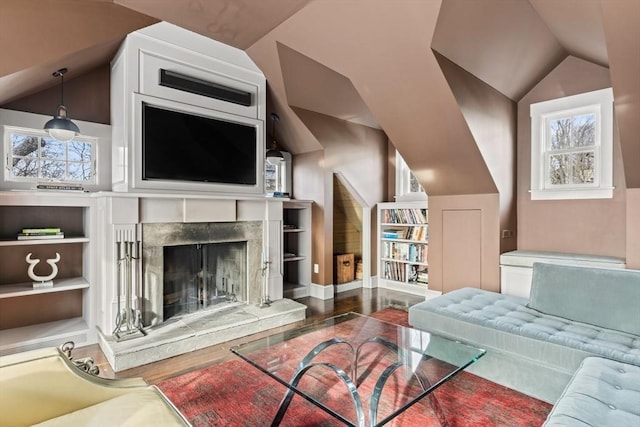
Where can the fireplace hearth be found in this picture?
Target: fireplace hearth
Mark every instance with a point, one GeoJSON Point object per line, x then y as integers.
{"type": "Point", "coordinates": [210, 284]}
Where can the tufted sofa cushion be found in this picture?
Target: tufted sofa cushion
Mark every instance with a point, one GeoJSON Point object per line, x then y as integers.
{"type": "Point", "coordinates": [511, 315]}
{"type": "Point", "coordinates": [608, 298]}
{"type": "Point", "coordinates": [602, 392]}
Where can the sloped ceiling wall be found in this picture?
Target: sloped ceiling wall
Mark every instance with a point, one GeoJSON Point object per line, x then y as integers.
{"type": "Point", "coordinates": [387, 58]}
{"type": "Point", "coordinates": [38, 37]}
{"type": "Point", "coordinates": [381, 47]}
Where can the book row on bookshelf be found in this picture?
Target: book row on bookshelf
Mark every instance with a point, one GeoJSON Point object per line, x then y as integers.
{"type": "Point", "coordinates": [405, 216]}
{"type": "Point", "coordinates": [412, 252]}
{"type": "Point", "coordinates": [40, 233]}
{"type": "Point", "coordinates": [401, 272]}
{"type": "Point", "coordinates": [417, 232]}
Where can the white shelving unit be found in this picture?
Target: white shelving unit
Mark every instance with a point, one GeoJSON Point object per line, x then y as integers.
{"type": "Point", "coordinates": [38, 317]}
{"type": "Point", "coordinates": [296, 248]}
{"type": "Point", "coordinates": [403, 243]}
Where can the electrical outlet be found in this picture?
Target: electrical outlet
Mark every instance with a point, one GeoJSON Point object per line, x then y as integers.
{"type": "Point", "coordinates": [507, 234]}
{"type": "Point", "coordinates": [316, 268]}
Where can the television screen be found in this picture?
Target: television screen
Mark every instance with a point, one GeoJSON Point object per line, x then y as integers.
{"type": "Point", "coordinates": [178, 146]}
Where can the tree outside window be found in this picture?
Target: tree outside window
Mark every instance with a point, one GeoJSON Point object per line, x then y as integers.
{"type": "Point", "coordinates": [407, 185]}
{"type": "Point", "coordinates": [572, 147]}
{"type": "Point", "coordinates": [35, 156]}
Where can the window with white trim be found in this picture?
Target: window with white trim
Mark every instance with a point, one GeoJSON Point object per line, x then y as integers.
{"type": "Point", "coordinates": [408, 187]}
{"type": "Point", "coordinates": [572, 147]}
{"type": "Point", "coordinates": [34, 156]}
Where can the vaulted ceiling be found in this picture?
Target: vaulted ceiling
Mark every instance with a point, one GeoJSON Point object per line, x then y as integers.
{"type": "Point", "coordinates": [366, 61]}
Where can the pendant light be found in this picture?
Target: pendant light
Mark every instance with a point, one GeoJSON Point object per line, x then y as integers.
{"type": "Point", "coordinates": [274, 156]}
{"type": "Point", "coordinates": [61, 127]}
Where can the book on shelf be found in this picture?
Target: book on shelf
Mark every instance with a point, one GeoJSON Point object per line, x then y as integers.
{"type": "Point", "coordinates": [279, 194]}
{"type": "Point", "coordinates": [36, 236]}
{"type": "Point", "coordinates": [45, 230]}
{"type": "Point", "coordinates": [62, 187]}
{"type": "Point", "coordinates": [406, 216]}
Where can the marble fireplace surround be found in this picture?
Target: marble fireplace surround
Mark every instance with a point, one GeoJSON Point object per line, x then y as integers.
{"type": "Point", "coordinates": [256, 221]}
{"type": "Point", "coordinates": [156, 236]}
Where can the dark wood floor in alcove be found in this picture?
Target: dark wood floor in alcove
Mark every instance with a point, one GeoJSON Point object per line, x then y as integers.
{"type": "Point", "coordinates": [363, 301]}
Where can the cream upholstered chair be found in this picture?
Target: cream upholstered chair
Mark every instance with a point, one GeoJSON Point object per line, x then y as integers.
{"type": "Point", "coordinates": [43, 387]}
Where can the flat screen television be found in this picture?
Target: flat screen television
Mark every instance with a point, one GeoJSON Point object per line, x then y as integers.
{"type": "Point", "coordinates": [182, 147]}
{"type": "Point", "coordinates": [187, 147]}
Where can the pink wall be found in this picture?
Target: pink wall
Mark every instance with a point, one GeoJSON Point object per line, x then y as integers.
{"type": "Point", "coordinates": [452, 264]}
{"type": "Point", "coordinates": [86, 98]}
{"type": "Point", "coordinates": [359, 153]}
{"type": "Point", "coordinates": [596, 227]}
{"type": "Point", "coordinates": [633, 228]}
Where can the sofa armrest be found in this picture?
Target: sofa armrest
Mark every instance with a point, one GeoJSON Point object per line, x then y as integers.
{"type": "Point", "coordinates": [43, 384]}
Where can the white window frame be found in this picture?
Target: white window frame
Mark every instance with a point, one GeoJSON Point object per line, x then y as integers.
{"type": "Point", "coordinates": [600, 103]}
{"type": "Point", "coordinates": [403, 183]}
{"type": "Point", "coordinates": [8, 172]}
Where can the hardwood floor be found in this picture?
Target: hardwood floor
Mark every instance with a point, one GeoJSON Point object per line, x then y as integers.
{"type": "Point", "coordinates": [365, 301]}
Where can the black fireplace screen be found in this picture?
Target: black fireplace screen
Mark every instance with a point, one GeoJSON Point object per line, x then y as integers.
{"type": "Point", "coordinates": [203, 275]}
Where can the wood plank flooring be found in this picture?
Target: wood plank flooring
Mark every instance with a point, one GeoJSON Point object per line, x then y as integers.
{"type": "Point", "coordinates": [365, 301]}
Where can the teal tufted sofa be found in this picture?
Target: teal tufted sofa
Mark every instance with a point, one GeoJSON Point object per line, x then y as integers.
{"type": "Point", "coordinates": [536, 345]}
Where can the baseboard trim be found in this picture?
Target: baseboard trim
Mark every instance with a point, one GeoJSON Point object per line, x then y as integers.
{"type": "Point", "coordinates": [320, 291]}
{"type": "Point", "coordinates": [344, 287]}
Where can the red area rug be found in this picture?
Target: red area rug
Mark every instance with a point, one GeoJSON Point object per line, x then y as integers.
{"type": "Point", "coordinates": [236, 394]}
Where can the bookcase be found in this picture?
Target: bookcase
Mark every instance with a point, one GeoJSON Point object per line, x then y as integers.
{"type": "Point", "coordinates": [403, 246]}
{"type": "Point", "coordinates": [33, 317]}
{"type": "Point", "coordinates": [296, 250]}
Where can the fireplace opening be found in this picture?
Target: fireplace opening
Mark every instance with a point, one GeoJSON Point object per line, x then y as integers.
{"type": "Point", "coordinates": [202, 276]}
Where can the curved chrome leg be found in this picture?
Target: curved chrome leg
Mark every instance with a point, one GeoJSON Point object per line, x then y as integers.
{"type": "Point", "coordinates": [351, 384]}
{"type": "Point", "coordinates": [284, 405]}
{"type": "Point", "coordinates": [304, 365]}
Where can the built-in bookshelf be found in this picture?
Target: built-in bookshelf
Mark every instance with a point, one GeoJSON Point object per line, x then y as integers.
{"type": "Point", "coordinates": [296, 250]}
{"type": "Point", "coordinates": [38, 314]}
{"type": "Point", "coordinates": [403, 246]}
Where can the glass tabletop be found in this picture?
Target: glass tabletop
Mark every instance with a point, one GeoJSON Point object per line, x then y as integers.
{"type": "Point", "coordinates": [361, 370]}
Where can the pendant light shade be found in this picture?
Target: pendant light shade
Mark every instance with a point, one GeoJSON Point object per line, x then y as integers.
{"type": "Point", "coordinates": [60, 127]}
{"type": "Point", "coordinates": [274, 156]}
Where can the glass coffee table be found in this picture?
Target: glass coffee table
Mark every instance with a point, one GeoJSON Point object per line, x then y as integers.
{"type": "Point", "coordinates": [360, 370]}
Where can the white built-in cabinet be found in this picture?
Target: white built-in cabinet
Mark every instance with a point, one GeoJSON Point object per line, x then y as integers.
{"type": "Point", "coordinates": [296, 248]}
{"type": "Point", "coordinates": [39, 317]}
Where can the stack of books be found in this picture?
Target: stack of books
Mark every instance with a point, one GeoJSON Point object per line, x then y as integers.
{"type": "Point", "coordinates": [40, 233]}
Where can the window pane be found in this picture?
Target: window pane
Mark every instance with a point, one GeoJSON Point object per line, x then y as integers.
{"type": "Point", "coordinates": [79, 151]}
{"type": "Point", "coordinates": [24, 145]}
{"type": "Point", "coordinates": [80, 171]}
{"type": "Point", "coordinates": [559, 169]}
{"type": "Point", "coordinates": [414, 185]}
{"type": "Point", "coordinates": [560, 132]}
{"type": "Point", "coordinates": [583, 130]}
{"type": "Point", "coordinates": [25, 167]}
{"type": "Point", "coordinates": [53, 149]}
{"type": "Point", "coordinates": [583, 167]}
{"type": "Point", "coordinates": [52, 170]}
{"type": "Point", "coordinates": [270, 177]}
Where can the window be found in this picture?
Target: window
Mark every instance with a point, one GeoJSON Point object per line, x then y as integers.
{"type": "Point", "coordinates": [274, 177]}
{"type": "Point", "coordinates": [34, 156]}
{"type": "Point", "coordinates": [277, 176]}
{"type": "Point", "coordinates": [572, 147]}
{"type": "Point", "coordinates": [407, 185]}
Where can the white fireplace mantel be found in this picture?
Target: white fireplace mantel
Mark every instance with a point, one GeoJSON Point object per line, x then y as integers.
{"type": "Point", "coordinates": [120, 217]}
